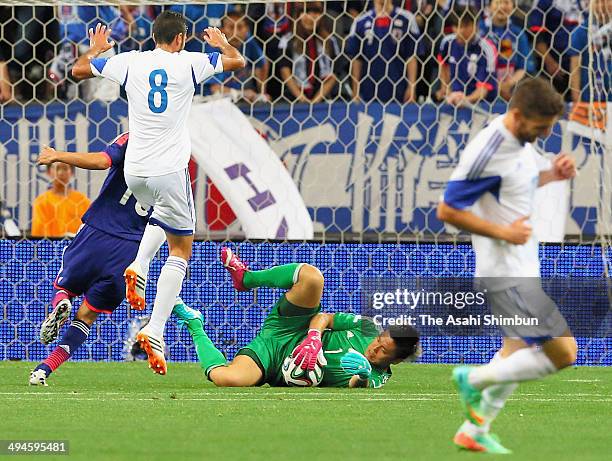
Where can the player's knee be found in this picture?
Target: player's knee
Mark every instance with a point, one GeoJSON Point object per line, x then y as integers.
{"type": "Point", "coordinates": [84, 314]}
{"type": "Point", "coordinates": [311, 277]}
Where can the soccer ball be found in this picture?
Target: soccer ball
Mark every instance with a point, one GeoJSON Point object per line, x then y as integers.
{"type": "Point", "coordinates": [295, 376]}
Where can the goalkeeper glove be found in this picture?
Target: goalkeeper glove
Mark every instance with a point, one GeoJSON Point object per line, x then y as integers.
{"type": "Point", "coordinates": [355, 363]}
{"type": "Point", "coordinates": [309, 351]}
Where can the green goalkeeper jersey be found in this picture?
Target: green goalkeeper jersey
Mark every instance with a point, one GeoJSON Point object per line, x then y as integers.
{"type": "Point", "coordinates": [350, 332]}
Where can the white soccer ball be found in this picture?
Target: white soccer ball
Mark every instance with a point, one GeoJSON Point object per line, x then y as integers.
{"type": "Point", "coordinates": [295, 376]}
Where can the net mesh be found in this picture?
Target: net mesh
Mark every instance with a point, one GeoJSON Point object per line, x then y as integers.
{"type": "Point", "coordinates": [355, 103]}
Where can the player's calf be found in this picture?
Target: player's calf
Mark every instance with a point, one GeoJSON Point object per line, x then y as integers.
{"type": "Point", "coordinates": [70, 342]}
{"type": "Point", "coordinates": [562, 351]}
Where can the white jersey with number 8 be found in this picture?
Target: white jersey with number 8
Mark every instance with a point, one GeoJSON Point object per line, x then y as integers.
{"type": "Point", "coordinates": [160, 87]}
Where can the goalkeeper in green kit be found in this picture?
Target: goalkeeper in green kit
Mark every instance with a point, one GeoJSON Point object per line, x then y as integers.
{"type": "Point", "coordinates": [350, 350]}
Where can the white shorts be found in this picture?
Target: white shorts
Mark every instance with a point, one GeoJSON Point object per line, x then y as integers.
{"type": "Point", "coordinates": [527, 300]}
{"type": "Point", "coordinates": [170, 196]}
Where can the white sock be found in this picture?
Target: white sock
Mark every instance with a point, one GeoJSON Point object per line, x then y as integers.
{"type": "Point", "coordinates": [471, 429]}
{"type": "Point", "coordinates": [489, 398]}
{"type": "Point", "coordinates": [152, 239]}
{"type": "Point", "coordinates": [168, 287]}
{"type": "Point", "coordinates": [493, 400]}
{"type": "Point", "coordinates": [494, 397]}
{"type": "Point", "coordinates": [524, 365]}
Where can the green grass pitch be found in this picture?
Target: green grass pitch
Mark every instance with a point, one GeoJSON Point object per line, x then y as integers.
{"type": "Point", "coordinates": [115, 411]}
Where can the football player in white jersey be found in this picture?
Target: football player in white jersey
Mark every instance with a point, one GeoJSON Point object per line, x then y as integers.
{"type": "Point", "coordinates": [159, 85]}
{"type": "Point", "coordinates": [490, 194]}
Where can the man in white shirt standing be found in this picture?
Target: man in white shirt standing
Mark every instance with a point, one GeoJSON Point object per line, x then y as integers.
{"type": "Point", "coordinates": [159, 85]}
{"type": "Point", "coordinates": [491, 195]}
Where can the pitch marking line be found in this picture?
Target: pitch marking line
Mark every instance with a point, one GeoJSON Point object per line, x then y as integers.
{"type": "Point", "coordinates": [299, 399]}
{"type": "Point", "coordinates": [288, 396]}
{"type": "Point", "coordinates": [315, 393]}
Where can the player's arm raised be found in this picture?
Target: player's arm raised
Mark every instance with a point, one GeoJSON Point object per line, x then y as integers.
{"type": "Point", "coordinates": [99, 42]}
{"type": "Point", "coordinates": [230, 56]}
{"type": "Point", "coordinates": [87, 161]}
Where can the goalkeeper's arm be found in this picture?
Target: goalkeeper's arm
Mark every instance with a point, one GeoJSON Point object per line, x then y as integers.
{"type": "Point", "coordinates": [309, 351]}
{"type": "Point", "coordinates": [87, 161]}
{"type": "Point", "coordinates": [338, 321]}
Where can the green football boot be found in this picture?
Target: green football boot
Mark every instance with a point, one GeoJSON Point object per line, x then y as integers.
{"type": "Point", "coordinates": [184, 313]}
{"type": "Point", "coordinates": [470, 396]}
{"type": "Point", "coordinates": [483, 443]}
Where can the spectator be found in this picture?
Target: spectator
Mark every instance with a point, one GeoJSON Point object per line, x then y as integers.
{"type": "Point", "coordinates": [75, 21]}
{"type": "Point", "coordinates": [199, 17]}
{"type": "Point", "coordinates": [250, 80]}
{"type": "Point", "coordinates": [431, 18]}
{"type": "Point", "coordinates": [307, 64]}
{"type": "Point", "coordinates": [27, 41]}
{"type": "Point", "coordinates": [467, 63]}
{"type": "Point", "coordinates": [344, 13]}
{"type": "Point", "coordinates": [599, 87]}
{"type": "Point", "coordinates": [513, 49]}
{"type": "Point", "coordinates": [273, 22]}
{"type": "Point", "coordinates": [382, 46]}
{"type": "Point", "coordinates": [57, 212]}
{"type": "Point", "coordinates": [141, 28]}
{"type": "Point", "coordinates": [6, 89]}
{"type": "Point", "coordinates": [552, 22]}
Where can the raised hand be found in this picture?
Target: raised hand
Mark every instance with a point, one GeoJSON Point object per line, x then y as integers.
{"type": "Point", "coordinates": [47, 156]}
{"type": "Point", "coordinates": [99, 39]}
{"type": "Point", "coordinates": [214, 37]}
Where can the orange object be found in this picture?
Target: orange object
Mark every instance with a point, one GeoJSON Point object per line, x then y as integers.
{"type": "Point", "coordinates": [56, 215]}
{"type": "Point", "coordinates": [157, 361]}
{"type": "Point", "coordinates": [597, 117]}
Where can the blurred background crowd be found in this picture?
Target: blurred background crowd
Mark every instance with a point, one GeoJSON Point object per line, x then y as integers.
{"type": "Point", "coordinates": [381, 50]}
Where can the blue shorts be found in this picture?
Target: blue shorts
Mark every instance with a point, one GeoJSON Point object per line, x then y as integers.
{"type": "Point", "coordinates": [93, 265]}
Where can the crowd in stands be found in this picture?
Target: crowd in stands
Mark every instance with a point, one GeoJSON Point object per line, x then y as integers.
{"type": "Point", "coordinates": [382, 50]}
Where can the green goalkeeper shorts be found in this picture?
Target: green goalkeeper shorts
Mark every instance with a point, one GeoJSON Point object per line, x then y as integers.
{"type": "Point", "coordinates": [283, 329]}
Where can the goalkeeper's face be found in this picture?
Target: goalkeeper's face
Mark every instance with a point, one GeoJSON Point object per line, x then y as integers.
{"type": "Point", "coordinates": [382, 352]}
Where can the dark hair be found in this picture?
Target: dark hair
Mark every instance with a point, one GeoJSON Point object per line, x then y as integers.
{"type": "Point", "coordinates": [167, 26]}
{"type": "Point", "coordinates": [463, 15]}
{"type": "Point", "coordinates": [72, 168]}
{"type": "Point", "coordinates": [234, 15]}
{"type": "Point", "coordinates": [536, 97]}
{"type": "Point", "coordinates": [406, 340]}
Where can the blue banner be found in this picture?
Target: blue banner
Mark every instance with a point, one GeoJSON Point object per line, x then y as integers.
{"type": "Point", "coordinates": [28, 268]}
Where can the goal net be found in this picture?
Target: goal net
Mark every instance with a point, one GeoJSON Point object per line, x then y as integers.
{"type": "Point", "coordinates": [332, 147]}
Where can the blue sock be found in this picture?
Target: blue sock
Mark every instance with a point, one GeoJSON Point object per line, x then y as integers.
{"type": "Point", "coordinates": [74, 338]}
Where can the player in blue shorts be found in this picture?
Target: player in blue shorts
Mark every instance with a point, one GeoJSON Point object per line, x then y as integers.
{"type": "Point", "coordinates": [93, 263]}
